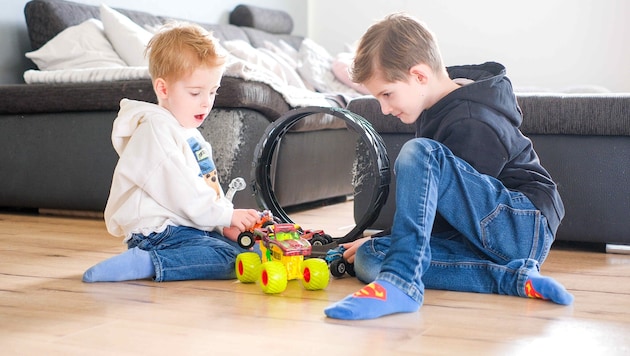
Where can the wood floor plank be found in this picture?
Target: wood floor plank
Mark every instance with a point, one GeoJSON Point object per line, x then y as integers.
{"type": "Point", "coordinates": [46, 309]}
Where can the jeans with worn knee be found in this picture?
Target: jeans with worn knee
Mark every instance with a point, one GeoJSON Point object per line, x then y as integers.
{"type": "Point", "coordinates": [499, 236]}
{"type": "Point", "coordinates": [185, 253]}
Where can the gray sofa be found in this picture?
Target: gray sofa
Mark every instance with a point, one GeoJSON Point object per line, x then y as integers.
{"type": "Point", "coordinates": [57, 151]}
{"type": "Point", "coordinates": [582, 139]}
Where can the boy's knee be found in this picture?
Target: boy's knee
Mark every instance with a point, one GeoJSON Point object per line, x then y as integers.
{"type": "Point", "coordinates": [415, 150]}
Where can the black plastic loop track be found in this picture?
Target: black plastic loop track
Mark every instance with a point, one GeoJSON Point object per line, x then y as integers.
{"type": "Point", "coordinates": [261, 173]}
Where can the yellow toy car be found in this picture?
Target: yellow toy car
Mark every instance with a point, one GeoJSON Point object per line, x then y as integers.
{"type": "Point", "coordinates": [283, 250]}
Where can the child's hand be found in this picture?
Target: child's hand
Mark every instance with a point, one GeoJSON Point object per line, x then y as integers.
{"type": "Point", "coordinates": [351, 248]}
{"type": "Point", "coordinates": [243, 219]}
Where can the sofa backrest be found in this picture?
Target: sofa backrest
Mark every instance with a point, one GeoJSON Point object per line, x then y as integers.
{"type": "Point", "coordinates": [602, 114]}
{"type": "Point", "coordinates": [47, 18]}
{"type": "Point", "coordinates": [605, 114]}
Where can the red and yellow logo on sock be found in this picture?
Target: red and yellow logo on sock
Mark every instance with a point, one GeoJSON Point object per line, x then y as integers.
{"type": "Point", "coordinates": [372, 290]}
{"type": "Point", "coordinates": [531, 292]}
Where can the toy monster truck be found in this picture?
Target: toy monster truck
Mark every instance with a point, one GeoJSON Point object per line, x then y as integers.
{"type": "Point", "coordinates": [283, 251]}
{"type": "Point", "coordinates": [337, 264]}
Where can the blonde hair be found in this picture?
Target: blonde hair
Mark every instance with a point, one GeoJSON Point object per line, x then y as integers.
{"type": "Point", "coordinates": [392, 46]}
{"type": "Point", "coordinates": [179, 48]}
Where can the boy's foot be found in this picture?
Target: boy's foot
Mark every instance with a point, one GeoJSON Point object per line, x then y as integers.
{"type": "Point", "coordinates": [376, 299]}
{"type": "Point", "coordinates": [538, 286]}
{"type": "Point", "coordinates": [129, 265]}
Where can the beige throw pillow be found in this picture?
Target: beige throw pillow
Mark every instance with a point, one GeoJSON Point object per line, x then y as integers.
{"type": "Point", "coordinates": [77, 47]}
{"type": "Point", "coordinates": [128, 38]}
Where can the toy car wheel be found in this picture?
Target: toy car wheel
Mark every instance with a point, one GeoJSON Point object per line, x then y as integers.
{"type": "Point", "coordinates": [338, 268]}
{"type": "Point", "coordinates": [246, 239]}
{"type": "Point", "coordinates": [267, 223]}
{"type": "Point", "coordinates": [317, 240]}
{"type": "Point", "coordinates": [315, 275]}
{"type": "Point", "coordinates": [320, 239]}
{"type": "Point", "coordinates": [273, 277]}
{"type": "Point", "coordinates": [350, 269]}
{"type": "Point", "coordinates": [247, 267]}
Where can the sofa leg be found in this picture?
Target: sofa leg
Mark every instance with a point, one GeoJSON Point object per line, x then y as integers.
{"type": "Point", "coordinates": [619, 249]}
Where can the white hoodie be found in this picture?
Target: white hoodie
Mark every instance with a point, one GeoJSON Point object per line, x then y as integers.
{"type": "Point", "coordinates": [157, 180]}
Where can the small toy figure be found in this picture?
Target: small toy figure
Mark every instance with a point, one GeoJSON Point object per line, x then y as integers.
{"type": "Point", "coordinates": [337, 264]}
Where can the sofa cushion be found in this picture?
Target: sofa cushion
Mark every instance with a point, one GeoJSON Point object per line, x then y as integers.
{"type": "Point", "coordinates": [368, 107]}
{"type": "Point", "coordinates": [543, 114]}
{"type": "Point", "coordinates": [575, 114]}
{"type": "Point", "coordinates": [268, 20]}
{"type": "Point", "coordinates": [46, 18]}
{"type": "Point", "coordinates": [80, 46]}
{"type": "Point", "coordinates": [127, 37]}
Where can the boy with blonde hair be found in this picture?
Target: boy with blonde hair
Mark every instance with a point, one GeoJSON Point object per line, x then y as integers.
{"type": "Point", "coordinates": [475, 210]}
{"type": "Point", "coordinates": [165, 198]}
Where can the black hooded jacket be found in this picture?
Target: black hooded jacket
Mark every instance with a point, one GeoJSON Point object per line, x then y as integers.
{"type": "Point", "coordinates": [479, 122]}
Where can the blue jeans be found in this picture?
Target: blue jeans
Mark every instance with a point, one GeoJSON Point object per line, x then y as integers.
{"type": "Point", "coordinates": [499, 234]}
{"type": "Point", "coordinates": [185, 253]}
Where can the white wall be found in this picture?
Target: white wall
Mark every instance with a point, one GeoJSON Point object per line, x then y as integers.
{"type": "Point", "coordinates": [14, 40]}
{"type": "Point", "coordinates": [544, 43]}
{"type": "Point", "coordinates": [551, 44]}
{"type": "Point", "coordinates": [209, 11]}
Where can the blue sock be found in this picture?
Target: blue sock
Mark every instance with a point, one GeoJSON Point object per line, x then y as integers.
{"type": "Point", "coordinates": [376, 299]}
{"type": "Point", "coordinates": [129, 265]}
{"type": "Point", "coordinates": [538, 286]}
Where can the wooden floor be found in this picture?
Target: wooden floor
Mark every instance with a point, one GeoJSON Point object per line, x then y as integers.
{"type": "Point", "coordinates": [45, 309]}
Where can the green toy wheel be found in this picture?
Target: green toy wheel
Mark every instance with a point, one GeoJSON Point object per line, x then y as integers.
{"type": "Point", "coordinates": [273, 277]}
{"type": "Point", "coordinates": [315, 275]}
{"type": "Point", "coordinates": [247, 267]}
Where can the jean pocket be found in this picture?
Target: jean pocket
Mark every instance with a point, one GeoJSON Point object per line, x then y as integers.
{"type": "Point", "coordinates": [510, 233]}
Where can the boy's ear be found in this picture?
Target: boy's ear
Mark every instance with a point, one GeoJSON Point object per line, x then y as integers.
{"type": "Point", "coordinates": [160, 88]}
{"type": "Point", "coordinates": [420, 72]}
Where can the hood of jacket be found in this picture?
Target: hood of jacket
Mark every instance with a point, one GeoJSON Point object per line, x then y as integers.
{"type": "Point", "coordinates": [131, 114]}
{"type": "Point", "coordinates": [490, 87]}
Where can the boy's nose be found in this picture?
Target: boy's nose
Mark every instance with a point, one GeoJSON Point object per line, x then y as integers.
{"type": "Point", "coordinates": [386, 109]}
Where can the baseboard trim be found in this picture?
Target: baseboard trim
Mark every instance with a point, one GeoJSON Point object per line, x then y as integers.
{"type": "Point", "coordinates": [72, 213]}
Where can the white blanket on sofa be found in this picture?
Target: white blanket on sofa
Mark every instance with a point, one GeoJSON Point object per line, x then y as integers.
{"type": "Point", "coordinates": [85, 75]}
{"type": "Point", "coordinates": [301, 83]}
{"type": "Point", "coordinates": [294, 96]}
